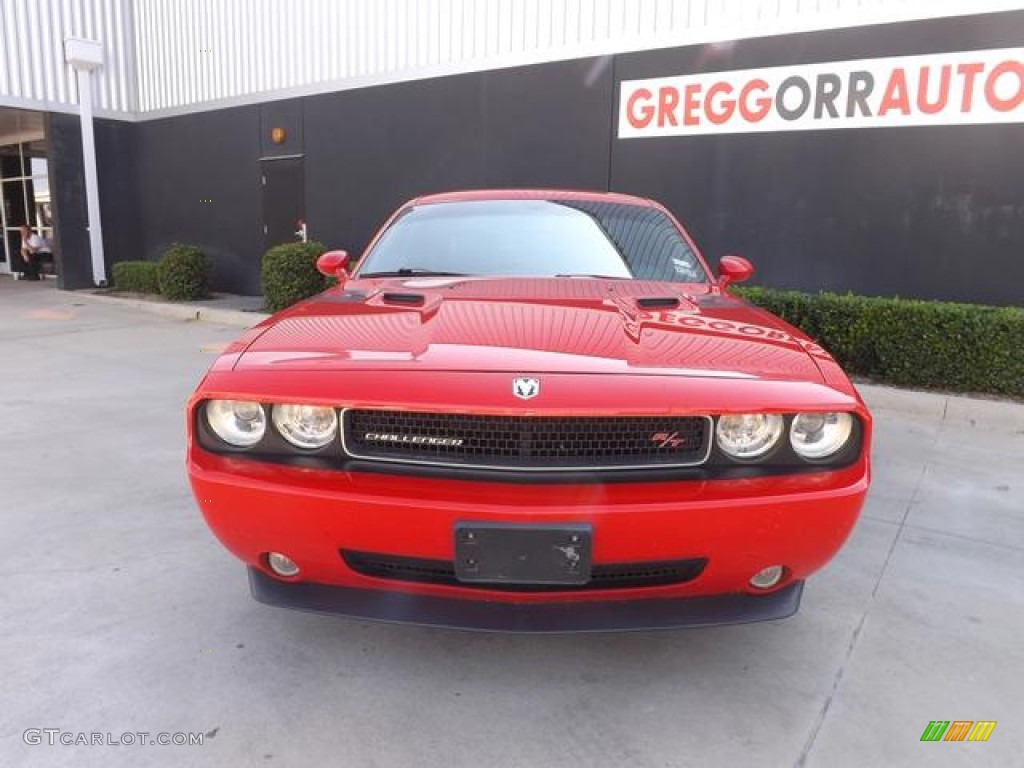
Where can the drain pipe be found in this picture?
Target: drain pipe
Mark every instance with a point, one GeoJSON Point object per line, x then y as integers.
{"type": "Point", "coordinates": [85, 56]}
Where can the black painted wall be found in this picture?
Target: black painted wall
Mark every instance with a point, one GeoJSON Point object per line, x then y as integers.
{"type": "Point", "coordinates": [369, 150]}
{"type": "Point", "coordinates": [934, 212]}
{"type": "Point", "coordinates": [67, 197]}
{"type": "Point", "coordinates": [183, 162]}
{"type": "Point", "coordinates": [366, 151]}
{"type": "Point", "coordinates": [116, 158]}
{"type": "Point", "coordinates": [117, 154]}
{"type": "Point", "coordinates": [926, 212]}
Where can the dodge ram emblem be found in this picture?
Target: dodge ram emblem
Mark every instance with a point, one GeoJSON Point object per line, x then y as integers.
{"type": "Point", "coordinates": [524, 389]}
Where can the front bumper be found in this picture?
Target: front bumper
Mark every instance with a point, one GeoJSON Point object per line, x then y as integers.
{"type": "Point", "coordinates": [736, 526]}
{"type": "Point", "coordinates": [540, 618]}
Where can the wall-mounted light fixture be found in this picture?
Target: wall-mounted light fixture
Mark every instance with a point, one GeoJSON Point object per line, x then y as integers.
{"type": "Point", "coordinates": [277, 135]}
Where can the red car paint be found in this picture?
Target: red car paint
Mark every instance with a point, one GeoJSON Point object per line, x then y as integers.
{"type": "Point", "coordinates": [597, 352]}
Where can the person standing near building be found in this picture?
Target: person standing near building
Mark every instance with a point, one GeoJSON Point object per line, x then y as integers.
{"type": "Point", "coordinates": [31, 246]}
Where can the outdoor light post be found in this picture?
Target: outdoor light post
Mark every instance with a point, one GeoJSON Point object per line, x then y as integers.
{"type": "Point", "coordinates": [85, 56]}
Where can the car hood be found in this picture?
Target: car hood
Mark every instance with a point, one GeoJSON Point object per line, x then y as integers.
{"type": "Point", "coordinates": [521, 325]}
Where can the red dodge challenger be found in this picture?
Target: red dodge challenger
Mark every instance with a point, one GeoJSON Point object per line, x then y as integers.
{"type": "Point", "coordinates": [530, 411]}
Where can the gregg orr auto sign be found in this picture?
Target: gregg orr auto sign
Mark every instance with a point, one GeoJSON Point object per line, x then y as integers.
{"type": "Point", "coordinates": [938, 89]}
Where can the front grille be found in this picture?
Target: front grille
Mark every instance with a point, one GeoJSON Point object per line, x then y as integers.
{"type": "Point", "coordinates": [527, 442]}
{"type": "Point", "coordinates": [602, 576]}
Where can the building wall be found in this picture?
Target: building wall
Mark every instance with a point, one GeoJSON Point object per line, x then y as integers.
{"type": "Point", "coordinates": [202, 54]}
{"type": "Point", "coordinates": [169, 56]}
{"type": "Point", "coordinates": [67, 197]}
{"type": "Point", "coordinates": [185, 161]}
{"type": "Point", "coordinates": [926, 212]}
{"type": "Point", "coordinates": [117, 153]}
{"type": "Point", "coordinates": [931, 212]}
{"type": "Point", "coordinates": [366, 151]}
{"type": "Point", "coordinates": [33, 74]}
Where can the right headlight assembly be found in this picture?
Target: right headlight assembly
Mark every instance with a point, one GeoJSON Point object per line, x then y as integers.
{"type": "Point", "coordinates": [240, 423]}
{"type": "Point", "coordinates": [816, 436]}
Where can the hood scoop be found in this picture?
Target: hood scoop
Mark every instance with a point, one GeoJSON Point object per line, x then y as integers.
{"type": "Point", "coordinates": [404, 299]}
{"type": "Point", "coordinates": [658, 302]}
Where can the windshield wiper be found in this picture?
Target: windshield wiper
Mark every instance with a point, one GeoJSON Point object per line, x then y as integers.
{"type": "Point", "coordinates": [411, 272]}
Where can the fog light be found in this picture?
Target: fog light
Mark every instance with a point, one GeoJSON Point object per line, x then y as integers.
{"type": "Point", "coordinates": [282, 565]}
{"type": "Point", "coordinates": [765, 578]}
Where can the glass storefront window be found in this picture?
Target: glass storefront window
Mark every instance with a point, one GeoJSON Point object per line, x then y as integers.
{"type": "Point", "coordinates": [24, 197]}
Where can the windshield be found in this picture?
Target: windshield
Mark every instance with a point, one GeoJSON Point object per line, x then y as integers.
{"type": "Point", "coordinates": [536, 238]}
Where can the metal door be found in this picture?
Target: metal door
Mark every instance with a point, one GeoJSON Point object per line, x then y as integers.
{"type": "Point", "coordinates": [284, 200]}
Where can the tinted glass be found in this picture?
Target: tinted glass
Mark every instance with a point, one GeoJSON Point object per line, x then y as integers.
{"type": "Point", "coordinates": [537, 238]}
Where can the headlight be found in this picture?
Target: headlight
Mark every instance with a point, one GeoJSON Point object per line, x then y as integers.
{"type": "Point", "coordinates": [748, 435]}
{"type": "Point", "coordinates": [306, 426]}
{"type": "Point", "coordinates": [237, 422]}
{"type": "Point", "coordinates": [820, 435]}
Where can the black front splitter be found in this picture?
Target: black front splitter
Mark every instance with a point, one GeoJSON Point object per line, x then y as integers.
{"type": "Point", "coordinates": [549, 617]}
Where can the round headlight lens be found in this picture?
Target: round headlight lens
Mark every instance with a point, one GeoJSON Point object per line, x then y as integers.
{"type": "Point", "coordinates": [820, 435]}
{"type": "Point", "coordinates": [748, 435]}
{"type": "Point", "coordinates": [237, 422]}
{"type": "Point", "coordinates": [306, 426]}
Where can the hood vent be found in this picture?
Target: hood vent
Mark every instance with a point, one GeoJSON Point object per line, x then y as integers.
{"type": "Point", "coordinates": [345, 297]}
{"type": "Point", "coordinates": [657, 302]}
{"type": "Point", "coordinates": [411, 299]}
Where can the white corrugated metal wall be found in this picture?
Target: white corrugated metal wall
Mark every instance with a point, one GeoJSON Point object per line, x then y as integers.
{"type": "Point", "coordinates": [32, 69]}
{"type": "Point", "coordinates": [168, 56]}
{"type": "Point", "coordinates": [195, 51]}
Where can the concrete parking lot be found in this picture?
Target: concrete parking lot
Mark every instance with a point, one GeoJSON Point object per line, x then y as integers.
{"type": "Point", "coordinates": [121, 613]}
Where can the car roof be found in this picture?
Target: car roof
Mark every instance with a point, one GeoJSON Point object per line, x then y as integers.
{"type": "Point", "coordinates": [532, 194]}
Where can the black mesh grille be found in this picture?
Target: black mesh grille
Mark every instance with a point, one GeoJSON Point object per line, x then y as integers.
{"type": "Point", "coordinates": [603, 575]}
{"type": "Point", "coordinates": [526, 442]}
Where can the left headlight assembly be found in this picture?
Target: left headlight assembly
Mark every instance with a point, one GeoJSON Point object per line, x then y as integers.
{"type": "Point", "coordinates": [748, 436]}
{"type": "Point", "coordinates": [306, 426]}
{"type": "Point", "coordinates": [241, 423]}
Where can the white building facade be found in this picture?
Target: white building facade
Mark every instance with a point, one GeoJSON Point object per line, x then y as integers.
{"type": "Point", "coordinates": [163, 57]}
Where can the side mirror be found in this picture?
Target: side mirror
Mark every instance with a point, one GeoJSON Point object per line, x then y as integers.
{"type": "Point", "coordinates": [733, 269]}
{"type": "Point", "coordinates": [333, 264]}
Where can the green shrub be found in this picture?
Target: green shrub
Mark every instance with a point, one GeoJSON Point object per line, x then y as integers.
{"type": "Point", "coordinates": [930, 344]}
{"type": "Point", "coordinates": [183, 273]}
{"type": "Point", "coordinates": [289, 274]}
{"type": "Point", "coordinates": [138, 276]}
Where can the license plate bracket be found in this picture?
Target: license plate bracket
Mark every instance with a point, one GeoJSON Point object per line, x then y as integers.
{"type": "Point", "coordinates": [499, 553]}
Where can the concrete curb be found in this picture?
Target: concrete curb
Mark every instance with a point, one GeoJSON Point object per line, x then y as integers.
{"type": "Point", "coordinates": [994, 415]}
{"type": "Point", "coordinates": [235, 317]}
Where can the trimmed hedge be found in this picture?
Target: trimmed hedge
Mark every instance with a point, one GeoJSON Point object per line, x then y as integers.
{"type": "Point", "coordinates": [184, 273]}
{"type": "Point", "coordinates": [289, 274]}
{"type": "Point", "coordinates": [928, 344]}
{"type": "Point", "coordinates": [138, 276]}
